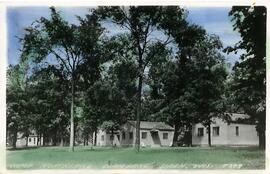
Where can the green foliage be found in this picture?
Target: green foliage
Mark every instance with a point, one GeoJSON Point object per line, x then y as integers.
{"type": "Point", "coordinates": [209, 74]}
{"type": "Point", "coordinates": [248, 85]}
{"type": "Point", "coordinates": [179, 78]}
{"type": "Point", "coordinates": [194, 85]}
{"type": "Point", "coordinates": [18, 110]}
{"type": "Point", "coordinates": [50, 107]}
{"type": "Point", "coordinates": [76, 52]}
{"type": "Point", "coordinates": [109, 126]}
{"type": "Point", "coordinates": [141, 22]}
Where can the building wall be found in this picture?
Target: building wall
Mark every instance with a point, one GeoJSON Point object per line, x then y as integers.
{"type": "Point", "coordinates": [130, 141]}
{"type": "Point", "coordinates": [127, 141]}
{"type": "Point", "coordinates": [155, 141]}
{"type": "Point", "coordinates": [227, 134]}
{"type": "Point", "coordinates": [215, 140]}
{"type": "Point", "coordinates": [247, 135]}
{"type": "Point", "coordinates": [32, 141]}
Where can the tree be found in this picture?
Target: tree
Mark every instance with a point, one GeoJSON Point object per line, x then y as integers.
{"type": "Point", "coordinates": [70, 45]}
{"type": "Point", "coordinates": [49, 106]}
{"type": "Point", "coordinates": [249, 78]}
{"type": "Point", "coordinates": [18, 119]}
{"type": "Point", "coordinates": [141, 22]}
{"type": "Point", "coordinates": [209, 84]}
{"type": "Point", "coordinates": [13, 120]}
{"type": "Point", "coordinates": [116, 68]}
{"type": "Point", "coordinates": [194, 85]}
{"type": "Point", "coordinates": [110, 126]}
{"type": "Point", "coordinates": [90, 121]}
{"type": "Point", "coordinates": [111, 104]}
{"type": "Point", "coordinates": [92, 106]}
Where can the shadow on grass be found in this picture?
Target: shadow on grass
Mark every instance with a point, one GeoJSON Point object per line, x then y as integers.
{"type": "Point", "coordinates": [100, 149]}
{"type": "Point", "coordinates": [34, 147]}
{"type": "Point", "coordinates": [22, 148]}
{"type": "Point", "coordinates": [145, 149]}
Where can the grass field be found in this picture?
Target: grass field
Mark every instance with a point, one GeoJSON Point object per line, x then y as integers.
{"type": "Point", "coordinates": [161, 158]}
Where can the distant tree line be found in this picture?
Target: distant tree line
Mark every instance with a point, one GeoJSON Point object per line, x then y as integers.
{"type": "Point", "coordinates": [158, 67]}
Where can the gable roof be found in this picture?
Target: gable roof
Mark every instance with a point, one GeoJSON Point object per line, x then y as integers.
{"type": "Point", "coordinates": [153, 125]}
{"type": "Point", "coordinates": [235, 116]}
{"type": "Point", "coordinates": [241, 118]}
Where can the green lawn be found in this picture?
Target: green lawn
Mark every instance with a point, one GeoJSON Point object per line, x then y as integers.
{"type": "Point", "coordinates": [169, 158]}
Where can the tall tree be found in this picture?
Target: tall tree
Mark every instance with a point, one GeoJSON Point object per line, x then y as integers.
{"type": "Point", "coordinates": [18, 112]}
{"type": "Point", "coordinates": [210, 71]}
{"type": "Point", "coordinates": [49, 94]}
{"type": "Point", "coordinates": [249, 77]}
{"type": "Point", "coordinates": [194, 85]}
{"type": "Point", "coordinates": [141, 22]}
{"type": "Point", "coordinates": [15, 101]}
{"type": "Point", "coordinates": [69, 44]}
{"type": "Point", "coordinates": [120, 73]}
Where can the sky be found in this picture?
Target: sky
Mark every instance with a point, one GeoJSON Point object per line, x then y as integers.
{"type": "Point", "coordinates": [214, 19]}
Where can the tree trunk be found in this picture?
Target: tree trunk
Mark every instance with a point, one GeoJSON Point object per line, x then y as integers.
{"type": "Point", "coordinates": [190, 135]}
{"type": "Point", "coordinates": [139, 90]}
{"type": "Point", "coordinates": [14, 140]}
{"type": "Point", "coordinates": [138, 113]}
{"type": "Point", "coordinates": [176, 133]}
{"type": "Point", "coordinates": [261, 140]}
{"type": "Point", "coordinates": [54, 140]}
{"type": "Point", "coordinates": [39, 139]}
{"type": "Point", "coordinates": [95, 137]}
{"type": "Point", "coordinates": [87, 139]}
{"type": "Point", "coordinates": [261, 130]}
{"type": "Point", "coordinates": [75, 136]}
{"type": "Point", "coordinates": [61, 141]}
{"type": "Point", "coordinates": [26, 142]}
{"type": "Point", "coordinates": [112, 136]}
{"type": "Point", "coordinates": [44, 140]}
{"type": "Point", "coordinates": [209, 134]}
{"type": "Point", "coordinates": [71, 143]}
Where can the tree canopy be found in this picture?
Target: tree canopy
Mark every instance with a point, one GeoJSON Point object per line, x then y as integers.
{"type": "Point", "coordinates": [159, 67]}
{"type": "Point", "coordinates": [249, 76]}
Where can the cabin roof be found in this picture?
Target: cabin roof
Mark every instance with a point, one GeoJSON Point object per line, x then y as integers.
{"type": "Point", "coordinates": [241, 119]}
{"type": "Point", "coordinates": [236, 116]}
{"type": "Point", "coordinates": [153, 125]}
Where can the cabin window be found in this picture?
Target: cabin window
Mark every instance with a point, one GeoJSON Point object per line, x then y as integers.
{"type": "Point", "coordinates": [237, 131]}
{"type": "Point", "coordinates": [165, 135]}
{"type": "Point", "coordinates": [34, 140]}
{"type": "Point", "coordinates": [144, 135]}
{"type": "Point", "coordinates": [130, 135]}
{"type": "Point", "coordinates": [215, 131]}
{"type": "Point", "coordinates": [123, 135]}
{"type": "Point", "coordinates": [200, 132]}
{"type": "Point", "coordinates": [29, 140]}
{"type": "Point", "coordinates": [102, 137]}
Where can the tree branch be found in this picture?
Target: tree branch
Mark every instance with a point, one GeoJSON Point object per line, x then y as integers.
{"type": "Point", "coordinates": [61, 59]}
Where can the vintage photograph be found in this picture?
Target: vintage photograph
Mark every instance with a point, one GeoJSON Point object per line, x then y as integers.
{"type": "Point", "coordinates": [136, 87]}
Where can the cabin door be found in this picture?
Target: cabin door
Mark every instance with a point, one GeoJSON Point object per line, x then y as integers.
{"type": "Point", "coordinates": [156, 139]}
